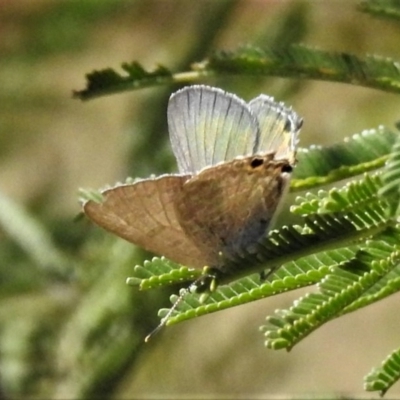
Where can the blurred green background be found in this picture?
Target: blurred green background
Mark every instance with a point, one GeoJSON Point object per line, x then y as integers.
{"type": "Point", "coordinates": [69, 326]}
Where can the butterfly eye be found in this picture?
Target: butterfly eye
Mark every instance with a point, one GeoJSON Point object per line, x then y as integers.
{"type": "Point", "coordinates": [287, 168]}
{"type": "Point", "coordinates": [256, 162]}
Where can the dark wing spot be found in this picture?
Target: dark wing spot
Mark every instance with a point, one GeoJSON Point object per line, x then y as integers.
{"type": "Point", "coordinates": [256, 162]}
{"type": "Point", "coordinates": [287, 168]}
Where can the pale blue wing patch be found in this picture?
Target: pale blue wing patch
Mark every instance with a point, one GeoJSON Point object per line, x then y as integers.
{"type": "Point", "coordinates": [208, 126]}
{"type": "Point", "coordinates": [144, 213]}
{"type": "Point", "coordinates": [279, 127]}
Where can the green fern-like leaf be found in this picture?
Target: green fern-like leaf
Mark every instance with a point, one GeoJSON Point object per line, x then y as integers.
{"type": "Point", "coordinates": [293, 275]}
{"type": "Point", "coordinates": [391, 179]}
{"type": "Point", "coordinates": [296, 60]}
{"type": "Point", "coordinates": [161, 272]}
{"type": "Point", "coordinates": [382, 378]}
{"type": "Point", "coordinates": [291, 61]}
{"type": "Point", "coordinates": [384, 247]}
{"type": "Point", "coordinates": [382, 8]}
{"type": "Point", "coordinates": [348, 198]}
{"type": "Point", "coordinates": [338, 292]}
{"type": "Point", "coordinates": [108, 81]}
{"type": "Point", "coordinates": [361, 153]}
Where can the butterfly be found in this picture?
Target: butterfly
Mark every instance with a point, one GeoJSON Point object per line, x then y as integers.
{"type": "Point", "coordinates": [234, 161]}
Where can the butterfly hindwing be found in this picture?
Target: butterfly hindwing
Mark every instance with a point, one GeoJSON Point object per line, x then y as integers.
{"type": "Point", "coordinates": [237, 204]}
{"type": "Point", "coordinates": [279, 127]}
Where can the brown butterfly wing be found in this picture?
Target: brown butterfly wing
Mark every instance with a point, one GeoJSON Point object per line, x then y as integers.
{"type": "Point", "coordinates": [229, 207]}
{"type": "Point", "coordinates": [144, 213]}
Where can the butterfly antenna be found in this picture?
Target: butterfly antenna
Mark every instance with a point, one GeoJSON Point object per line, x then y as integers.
{"type": "Point", "coordinates": [183, 293]}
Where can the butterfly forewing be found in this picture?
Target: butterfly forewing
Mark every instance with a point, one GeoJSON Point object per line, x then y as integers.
{"type": "Point", "coordinates": [144, 213]}
{"type": "Point", "coordinates": [279, 127]}
{"type": "Point", "coordinates": [208, 126]}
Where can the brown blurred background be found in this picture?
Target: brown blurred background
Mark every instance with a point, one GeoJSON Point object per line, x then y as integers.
{"type": "Point", "coordinates": [69, 326]}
